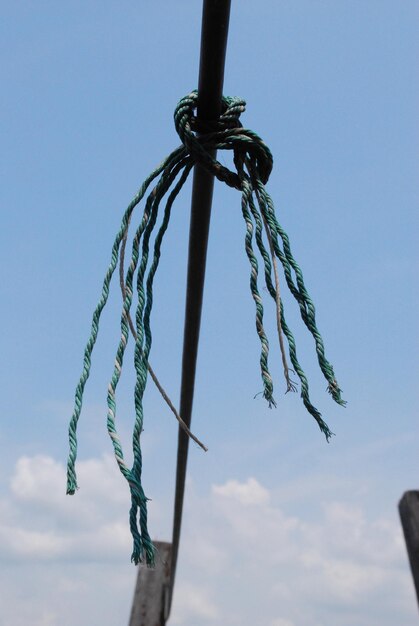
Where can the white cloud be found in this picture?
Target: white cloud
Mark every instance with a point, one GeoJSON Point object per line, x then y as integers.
{"type": "Point", "coordinates": [48, 619]}
{"type": "Point", "coordinates": [20, 542]}
{"type": "Point", "coordinates": [250, 492]}
{"type": "Point", "coordinates": [41, 479]}
{"type": "Point", "coordinates": [194, 602]}
{"type": "Point", "coordinates": [343, 568]}
{"type": "Point", "coordinates": [242, 555]}
{"type": "Point", "coordinates": [90, 525]}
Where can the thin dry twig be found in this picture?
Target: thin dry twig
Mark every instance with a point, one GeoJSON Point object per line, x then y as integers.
{"type": "Point", "coordinates": [156, 381]}
{"type": "Point", "coordinates": [290, 385]}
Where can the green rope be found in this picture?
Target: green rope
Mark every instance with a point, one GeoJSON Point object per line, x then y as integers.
{"type": "Point", "coordinates": [253, 162]}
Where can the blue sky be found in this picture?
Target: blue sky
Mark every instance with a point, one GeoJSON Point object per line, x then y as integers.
{"type": "Point", "coordinates": [89, 90]}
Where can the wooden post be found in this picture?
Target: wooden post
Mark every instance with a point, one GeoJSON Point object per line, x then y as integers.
{"type": "Point", "coordinates": [150, 606]}
{"type": "Point", "coordinates": [409, 515]}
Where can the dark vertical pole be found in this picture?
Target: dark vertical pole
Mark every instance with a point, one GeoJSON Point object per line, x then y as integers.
{"type": "Point", "coordinates": [215, 20]}
{"type": "Point", "coordinates": [409, 515]}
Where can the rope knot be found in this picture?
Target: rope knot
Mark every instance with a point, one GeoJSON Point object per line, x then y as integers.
{"type": "Point", "coordinates": [253, 162]}
{"type": "Point", "coordinates": [201, 138]}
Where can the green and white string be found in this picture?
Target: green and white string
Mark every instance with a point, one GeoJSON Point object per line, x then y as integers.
{"type": "Point", "coordinates": [253, 162]}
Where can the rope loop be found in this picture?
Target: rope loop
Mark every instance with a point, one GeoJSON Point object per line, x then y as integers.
{"type": "Point", "coordinates": [227, 133]}
{"type": "Point", "coordinates": [267, 246]}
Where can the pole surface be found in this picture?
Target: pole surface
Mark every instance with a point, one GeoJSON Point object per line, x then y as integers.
{"type": "Point", "coordinates": [150, 606]}
{"type": "Point", "coordinates": [215, 20]}
{"type": "Point", "coordinates": [409, 515]}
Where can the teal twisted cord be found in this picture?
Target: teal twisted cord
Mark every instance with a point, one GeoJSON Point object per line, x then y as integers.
{"type": "Point", "coordinates": [137, 555]}
{"type": "Point", "coordinates": [287, 332]}
{"type": "Point", "coordinates": [253, 164]}
{"type": "Point", "coordinates": [124, 325]}
{"type": "Point", "coordinates": [141, 357]}
{"type": "Point", "coordinates": [266, 376]}
{"type": "Point", "coordinates": [78, 401]}
{"type": "Point", "coordinates": [134, 476]}
{"type": "Point", "coordinates": [304, 383]}
{"type": "Point", "coordinates": [307, 308]}
{"type": "Point", "coordinates": [157, 254]}
{"type": "Point", "coordinates": [269, 284]}
{"type": "Point", "coordinates": [290, 338]}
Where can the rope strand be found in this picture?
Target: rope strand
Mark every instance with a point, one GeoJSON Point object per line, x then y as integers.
{"type": "Point", "coordinates": [253, 164]}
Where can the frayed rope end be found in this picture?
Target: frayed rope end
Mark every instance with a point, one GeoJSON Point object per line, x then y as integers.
{"type": "Point", "coordinates": [72, 487]}
{"type": "Point", "coordinates": [324, 428]}
{"type": "Point", "coordinates": [327, 432]}
{"type": "Point", "coordinates": [137, 557]}
{"type": "Point", "coordinates": [335, 391]}
{"type": "Point", "coordinates": [269, 398]}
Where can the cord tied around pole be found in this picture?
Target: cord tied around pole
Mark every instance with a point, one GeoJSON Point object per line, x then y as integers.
{"type": "Point", "coordinates": [253, 163]}
{"type": "Point", "coordinates": [226, 133]}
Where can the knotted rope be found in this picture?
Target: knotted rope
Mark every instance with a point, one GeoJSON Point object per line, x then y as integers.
{"type": "Point", "coordinates": [253, 162]}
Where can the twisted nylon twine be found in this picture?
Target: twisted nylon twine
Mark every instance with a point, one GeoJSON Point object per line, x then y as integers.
{"type": "Point", "coordinates": [253, 162]}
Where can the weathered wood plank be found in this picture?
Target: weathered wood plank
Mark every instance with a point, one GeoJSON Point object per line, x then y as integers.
{"type": "Point", "coordinates": [150, 605]}
{"type": "Point", "coordinates": [409, 515]}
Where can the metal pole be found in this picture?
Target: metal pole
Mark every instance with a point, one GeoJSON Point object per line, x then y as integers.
{"type": "Point", "coordinates": [215, 20]}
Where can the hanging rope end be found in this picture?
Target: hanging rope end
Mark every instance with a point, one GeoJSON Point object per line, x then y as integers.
{"type": "Point", "coordinates": [270, 399]}
{"type": "Point", "coordinates": [318, 417]}
{"type": "Point", "coordinates": [335, 391]}
{"type": "Point", "coordinates": [324, 428]}
{"type": "Point", "coordinates": [151, 556]}
{"type": "Point", "coordinates": [137, 556]}
{"type": "Point", "coordinates": [72, 487]}
{"type": "Point", "coordinates": [291, 384]}
{"type": "Point", "coordinates": [327, 432]}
